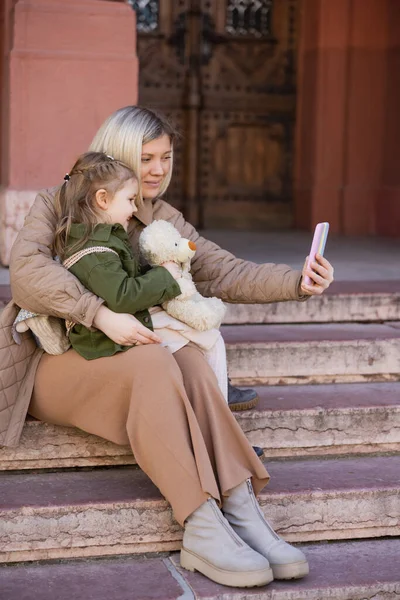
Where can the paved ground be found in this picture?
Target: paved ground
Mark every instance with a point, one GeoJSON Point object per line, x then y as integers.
{"type": "Point", "coordinates": [354, 259]}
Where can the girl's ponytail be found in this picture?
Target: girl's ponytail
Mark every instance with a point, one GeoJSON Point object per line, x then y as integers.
{"type": "Point", "coordinates": [63, 223]}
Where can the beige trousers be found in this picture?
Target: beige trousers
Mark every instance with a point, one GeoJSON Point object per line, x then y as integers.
{"type": "Point", "coordinates": [168, 407]}
{"type": "Point", "coordinates": [175, 335]}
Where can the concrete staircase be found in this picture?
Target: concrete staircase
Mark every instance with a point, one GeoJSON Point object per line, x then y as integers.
{"type": "Point", "coordinates": [328, 376]}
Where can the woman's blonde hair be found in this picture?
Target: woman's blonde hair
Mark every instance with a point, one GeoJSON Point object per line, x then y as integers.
{"type": "Point", "coordinates": [125, 132]}
{"type": "Point", "coordinates": [75, 200]}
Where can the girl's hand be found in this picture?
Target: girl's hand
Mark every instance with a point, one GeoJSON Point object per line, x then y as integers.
{"type": "Point", "coordinates": [321, 272]}
{"type": "Point", "coordinates": [173, 268]}
{"type": "Point", "coordinates": [123, 329]}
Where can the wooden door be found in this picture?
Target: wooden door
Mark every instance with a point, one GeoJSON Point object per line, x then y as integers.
{"type": "Point", "coordinates": [224, 71]}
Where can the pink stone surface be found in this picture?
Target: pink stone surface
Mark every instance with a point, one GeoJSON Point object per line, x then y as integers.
{"type": "Point", "coordinates": [130, 484]}
{"type": "Point", "coordinates": [75, 488]}
{"type": "Point", "coordinates": [327, 397]}
{"type": "Point", "coordinates": [108, 579]}
{"type": "Point", "coordinates": [348, 303]}
{"type": "Point", "coordinates": [343, 570]}
{"type": "Point", "coordinates": [71, 64]}
{"type": "Point", "coordinates": [364, 287]}
{"type": "Point", "coordinates": [288, 420]}
{"type": "Point", "coordinates": [344, 474]}
{"type": "Point", "coordinates": [338, 288]}
{"type": "Point", "coordinates": [245, 334]}
{"type": "Point", "coordinates": [335, 570]}
{"type": "Point", "coordinates": [76, 62]}
{"type": "Point", "coordinates": [353, 288]}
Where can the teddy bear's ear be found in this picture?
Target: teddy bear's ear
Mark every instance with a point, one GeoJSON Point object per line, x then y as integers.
{"type": "Point", "coordinates": [164, 228]}
{"type": "Point", "coordinates": [157, 242]}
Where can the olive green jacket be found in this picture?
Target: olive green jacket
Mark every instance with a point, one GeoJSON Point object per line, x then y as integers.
{"type": "Point", "coordinates": [124, 285]}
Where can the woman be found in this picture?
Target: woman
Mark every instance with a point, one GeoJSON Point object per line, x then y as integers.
{"type": "Point", "coordinates": [180, 428]}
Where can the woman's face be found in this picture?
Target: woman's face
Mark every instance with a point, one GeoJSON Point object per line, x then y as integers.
{"type": "Point", "coordinates": [156, 163]}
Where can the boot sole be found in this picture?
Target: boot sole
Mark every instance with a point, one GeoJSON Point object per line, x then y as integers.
{"type": "Point", "coordinates": [192, 562]}
{"type": "Point", "coordinates": [291, 571]}
{"type": "Point", "coordinates": [239, 406]}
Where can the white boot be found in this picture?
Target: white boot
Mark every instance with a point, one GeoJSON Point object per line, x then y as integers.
{"type": "Point", "coordinates": [245, 517]}
{"type": "Point", "coordinates": [211, 547]}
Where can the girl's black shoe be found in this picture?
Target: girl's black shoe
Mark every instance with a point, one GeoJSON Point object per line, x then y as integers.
{"type": "Point", "coordinates": [241, 399]}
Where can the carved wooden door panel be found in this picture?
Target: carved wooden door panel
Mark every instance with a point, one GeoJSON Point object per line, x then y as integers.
{"type": "Point", "coordinates": [225, 73]}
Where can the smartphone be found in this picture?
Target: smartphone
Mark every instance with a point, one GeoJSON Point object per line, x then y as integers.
{"type": "Point", "coordinates": [317, 246]}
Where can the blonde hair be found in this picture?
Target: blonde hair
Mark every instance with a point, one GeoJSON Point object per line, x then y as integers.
{"type": "Point", "coordinates": [75, 200]}
{"type": "Point", "coordinates": [125, 132]}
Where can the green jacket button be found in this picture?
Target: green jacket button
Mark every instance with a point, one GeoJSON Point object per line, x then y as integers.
{"type": "Point", "coordinates": [146, 319]}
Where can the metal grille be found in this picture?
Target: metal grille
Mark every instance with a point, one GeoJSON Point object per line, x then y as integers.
{"type": "Point", "coordinates": [248, 18]}
{"type": "Point", "coordinates": [147, 14]}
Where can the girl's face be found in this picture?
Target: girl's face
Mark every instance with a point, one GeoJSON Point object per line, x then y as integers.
{"type": "Point", "coordinates": [156, 164]}
{"type": "Point", "coordinates": [121, 207]}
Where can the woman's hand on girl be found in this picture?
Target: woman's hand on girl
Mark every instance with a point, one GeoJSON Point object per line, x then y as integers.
{"type": "Point", "coordinates": [123, 329]}
{"type": "Point", "coordinates": [321, 272]}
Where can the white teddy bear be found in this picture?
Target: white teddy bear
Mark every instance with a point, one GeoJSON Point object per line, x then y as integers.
{"type": "Point", "coordinates": [161, 242]}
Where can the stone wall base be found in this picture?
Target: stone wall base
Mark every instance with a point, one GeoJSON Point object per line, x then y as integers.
{"type": "Point", "coordinates": [14, 206]}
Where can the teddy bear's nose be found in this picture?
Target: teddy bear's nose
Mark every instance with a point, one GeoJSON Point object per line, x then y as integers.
{"type": "Point", "coordinates": [192, 245]}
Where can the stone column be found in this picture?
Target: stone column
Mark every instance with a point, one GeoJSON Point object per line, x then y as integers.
{"type": "Point", "coordinates": [365, 115]}
{"type": "Point", "coordinates": [68, 66]}
{"type": "Point", "coordinates": [343, 70]}
{"type": "Point", "coordinates": [387, 205]}
{"type": "Point", "coordinates": [321, 112]}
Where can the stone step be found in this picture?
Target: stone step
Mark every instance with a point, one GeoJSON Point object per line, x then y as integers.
{"type": "Point", "coordinates": [325, 420]}
{"type": "Point", "coordinates": [340, 571]}
{"type": "Point", "coordinates": [69, 514]}
{"type": "Point", "coordinates": [289, 421]}
{"type": "Point", "coordinates": [328, 353]}
{"type": "Point", "coordinates": [344, 302]}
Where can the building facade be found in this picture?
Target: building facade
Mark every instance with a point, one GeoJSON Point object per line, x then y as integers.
{"type": "Point", "coordinates": [288, 109]}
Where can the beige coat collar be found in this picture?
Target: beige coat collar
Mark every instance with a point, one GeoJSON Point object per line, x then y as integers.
{"type": "Point", "coordinates": [145, 212]}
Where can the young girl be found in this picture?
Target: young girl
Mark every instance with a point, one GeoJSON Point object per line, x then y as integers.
{"type": "Point", "coordinates": [94, 205]}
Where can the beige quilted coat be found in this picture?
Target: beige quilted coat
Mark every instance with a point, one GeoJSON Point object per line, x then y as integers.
{"type": "Point", "coordinates": [41, 285]}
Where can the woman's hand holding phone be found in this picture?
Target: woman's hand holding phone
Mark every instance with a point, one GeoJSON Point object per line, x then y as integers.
{"type": "Point", "coordinates": [320, 272]}
{"type": "Point", "coordinates": [317, 272]}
